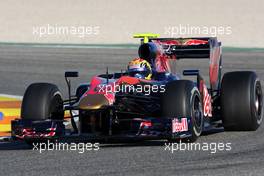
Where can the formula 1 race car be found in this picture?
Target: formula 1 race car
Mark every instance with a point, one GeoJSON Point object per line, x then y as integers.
{"type": "Point", "coordinates": [121, 106]}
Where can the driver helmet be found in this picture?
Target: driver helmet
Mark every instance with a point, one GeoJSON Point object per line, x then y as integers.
{"type": "Point", "coordinates": [139, 68]}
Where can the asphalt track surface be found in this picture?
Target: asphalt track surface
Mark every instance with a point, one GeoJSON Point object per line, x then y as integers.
{"type": "Point", "coordinates": [20, 66]}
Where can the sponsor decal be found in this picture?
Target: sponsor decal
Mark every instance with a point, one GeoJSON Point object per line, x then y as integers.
{"type": "Point", "coordinates": [145, 124]}
{"type": "Point", "coordinates": [28, 132]}
{"type": "Point", "coordinates": [195, 42]}
{"type": "Point", "coordinates": [179, 125]}
{"type": "Point", "coordinates": [207, 105]}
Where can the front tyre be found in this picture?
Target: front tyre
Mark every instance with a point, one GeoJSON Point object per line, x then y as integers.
{"type": "Point", "coordinates": [42, 101]}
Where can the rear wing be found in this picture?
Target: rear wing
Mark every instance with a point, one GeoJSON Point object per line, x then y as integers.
{"type": "Point", "coordinates": [184, 48]}
{"type": "Point", "coordinates": [194, 48]}
{"type": "Point", "coordinates": [159, 50]}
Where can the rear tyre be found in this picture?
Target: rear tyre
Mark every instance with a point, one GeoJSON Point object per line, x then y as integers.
{"type": "Point", "coordinates": [241, 101]}
{"type": "Point", "coordinates": [182, 99]}
{"type": "Point", "coordinates": [42, 101]}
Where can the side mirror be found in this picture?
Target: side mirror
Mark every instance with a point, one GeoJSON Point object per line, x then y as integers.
{"type": "Point", "coordinates": [71, 74]}
{"type": "Point", "coordinates": [68, 75]}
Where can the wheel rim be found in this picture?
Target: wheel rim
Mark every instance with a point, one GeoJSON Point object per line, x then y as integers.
{"type": "Point", "coordinates": [258, 102]}
{"type": "Point", "coordinates": [197, 115]}
{"type": "Point", "coordinates": [56, 107]}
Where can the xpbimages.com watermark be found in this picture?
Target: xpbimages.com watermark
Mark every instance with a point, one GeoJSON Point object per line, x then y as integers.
{"type": "Point", "coordinates": [57, 30]}
{"type": "Point", "coordinates": [178, 30]}
{"type": "Point", "coordinates": [77, 147]}
{"type": "Point", "coordinates": [130, 88]}
{"type": "Point", "coordinates": [212, 147]}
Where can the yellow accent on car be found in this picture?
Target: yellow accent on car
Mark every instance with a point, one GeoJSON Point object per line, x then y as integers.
{"type": "Point", "coordinates": [146, 36]}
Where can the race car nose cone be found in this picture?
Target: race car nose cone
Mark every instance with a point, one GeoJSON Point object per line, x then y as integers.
{"type": "Point", "coordinates": [93, 101]}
